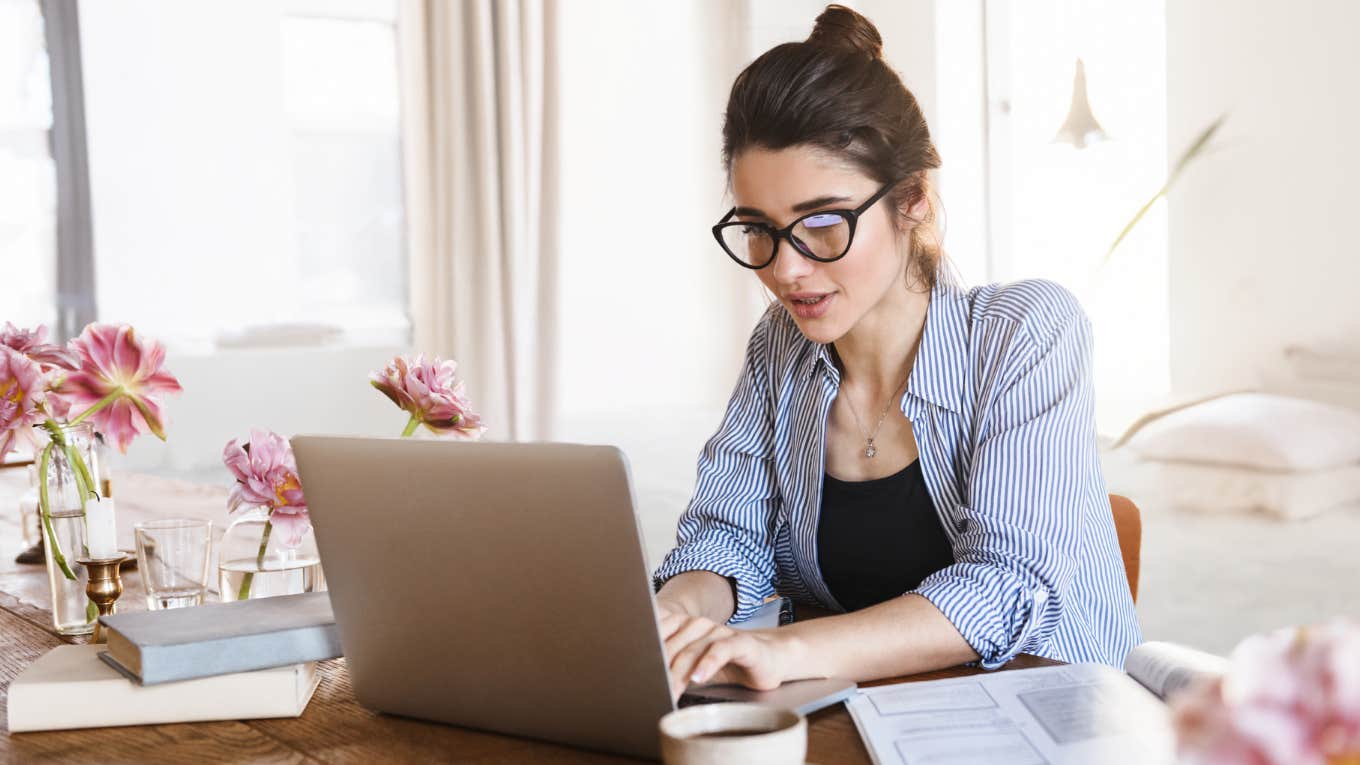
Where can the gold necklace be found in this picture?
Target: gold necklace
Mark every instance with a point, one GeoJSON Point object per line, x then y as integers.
{"type": "Point", "coordinates": [871, 451]}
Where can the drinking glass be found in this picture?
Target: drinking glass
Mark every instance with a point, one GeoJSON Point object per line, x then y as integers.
{"type": "Point", "coordinates": [172, 557]}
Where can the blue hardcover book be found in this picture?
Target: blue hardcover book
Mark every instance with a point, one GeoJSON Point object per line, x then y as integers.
{"type": "Point", "coordinates": [223, 638]}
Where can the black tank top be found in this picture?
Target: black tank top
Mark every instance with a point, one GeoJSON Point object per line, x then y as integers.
{"type": "Point", "coordinates": [878, 539]}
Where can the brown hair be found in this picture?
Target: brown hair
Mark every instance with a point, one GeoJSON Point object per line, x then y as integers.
{"type": "Point", "coordinates": [834, 91]}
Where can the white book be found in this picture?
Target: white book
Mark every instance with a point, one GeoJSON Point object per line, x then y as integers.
{"type": "Point", "coordinates": [70, 687]}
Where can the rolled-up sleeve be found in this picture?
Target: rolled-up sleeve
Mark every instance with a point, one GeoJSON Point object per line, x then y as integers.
{"type": "Point", "coordinates": [728, 527]}
{"type": "Point", "coordinates": [1033, 475]}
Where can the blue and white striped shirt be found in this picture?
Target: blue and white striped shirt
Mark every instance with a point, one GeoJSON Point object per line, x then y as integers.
{"type": "Point", "coordinates": [1001, 404]}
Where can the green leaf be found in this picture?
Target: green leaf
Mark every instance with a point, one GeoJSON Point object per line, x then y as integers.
{"type": "Point", "coordinates": [1196, 148]}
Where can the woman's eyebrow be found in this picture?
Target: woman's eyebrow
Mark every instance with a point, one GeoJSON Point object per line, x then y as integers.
{"type": "Point", "coordinates": [811, 204]}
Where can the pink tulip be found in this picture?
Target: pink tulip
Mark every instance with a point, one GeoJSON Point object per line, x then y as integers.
{"type": "Point", "coordinates": [429, 392]}
{"type": "Point", "coordinates": [31, 343]}
{"type": "Point", "coordinates": [23, 388]}
{"type": "Point", "coordinates": [118, 384]}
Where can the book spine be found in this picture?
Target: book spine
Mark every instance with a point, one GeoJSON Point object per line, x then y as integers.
{"type": "Point", "coordinates": [240, 697]}
{"type": "Point", "coordinates": [173, 663]}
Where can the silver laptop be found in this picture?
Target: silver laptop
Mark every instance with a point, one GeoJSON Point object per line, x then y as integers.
{"type": "Point", "coordinates": [501, 587]}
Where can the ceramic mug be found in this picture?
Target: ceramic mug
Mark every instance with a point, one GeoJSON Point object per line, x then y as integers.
{"type": "Point", "coordinates": [733, 733]}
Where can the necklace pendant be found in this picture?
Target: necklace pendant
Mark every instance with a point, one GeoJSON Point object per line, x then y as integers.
{"type": "Point", "coordinates": [871, 451]}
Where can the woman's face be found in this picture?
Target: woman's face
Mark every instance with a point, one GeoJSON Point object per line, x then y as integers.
{"type": "Point", "coordinates": [826, 300]}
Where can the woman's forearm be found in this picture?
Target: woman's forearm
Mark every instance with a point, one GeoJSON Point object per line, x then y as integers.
{"type": "Point", "coordinates": [701, 593]}
{"type": "Point", "coordinates": [901, 636]}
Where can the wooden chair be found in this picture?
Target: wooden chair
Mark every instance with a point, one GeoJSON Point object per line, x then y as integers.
{"type": "Point", "coordinates": [1128, 525]}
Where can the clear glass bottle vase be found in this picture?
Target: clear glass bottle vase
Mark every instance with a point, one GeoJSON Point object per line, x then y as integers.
{"type": "Point", "coordinates": [255, 560]}
{"type": "Point", "coordinates": [63, 524]}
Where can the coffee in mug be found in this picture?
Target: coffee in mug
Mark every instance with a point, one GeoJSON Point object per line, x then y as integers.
{"type": "Point", "coordinates": [733, 733]}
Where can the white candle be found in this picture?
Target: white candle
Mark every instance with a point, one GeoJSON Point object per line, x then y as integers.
{"type": "Point", "coordinates": [101, 530]}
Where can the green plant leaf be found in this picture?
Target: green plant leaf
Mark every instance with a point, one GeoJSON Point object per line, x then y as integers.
{"type": "Point", "coordinates": [1196, 148]}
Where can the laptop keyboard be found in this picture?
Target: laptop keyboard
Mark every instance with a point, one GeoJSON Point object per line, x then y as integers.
{"type": "Point", "coordinates": [694, 699]}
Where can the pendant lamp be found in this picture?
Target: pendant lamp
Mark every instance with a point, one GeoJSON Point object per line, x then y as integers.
{"type": "Point", "coordinates": [1080, 128]}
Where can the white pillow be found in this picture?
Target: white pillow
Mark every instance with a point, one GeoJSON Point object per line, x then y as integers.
{"type": "Point", "coordinates": [1253, 430]}
{"type": "Point", "coordinates": [1222, 489]}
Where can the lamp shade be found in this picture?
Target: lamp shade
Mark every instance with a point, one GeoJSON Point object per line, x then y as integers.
{"type": "Point", "coordinates": [1080, 128]}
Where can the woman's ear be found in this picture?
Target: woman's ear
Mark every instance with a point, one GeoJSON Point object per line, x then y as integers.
{"type": "Point", "coordinates": [916, 206]}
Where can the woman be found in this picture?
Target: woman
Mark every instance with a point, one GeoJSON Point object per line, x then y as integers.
{"type": "Point", "coordinates": [918, 457]}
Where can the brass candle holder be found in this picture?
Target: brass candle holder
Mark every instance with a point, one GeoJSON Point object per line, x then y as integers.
{"type": "Point", "coordinates": [104, 587]}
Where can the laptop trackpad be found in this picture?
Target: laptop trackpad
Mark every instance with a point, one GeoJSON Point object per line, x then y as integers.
{"type": "Point", "coordinates": [802, 696]}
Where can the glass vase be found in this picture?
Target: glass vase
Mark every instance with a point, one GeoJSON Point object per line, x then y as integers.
{"type": "Point", "coordinates": [255, 561]}
{"type": "Point", "coordinates": [63, 524]}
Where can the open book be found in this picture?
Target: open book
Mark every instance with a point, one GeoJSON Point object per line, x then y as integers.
{"type": "Point", "coordinates": [1073, 713]}
{"type": "Point", "coordinates": [1165, 668]}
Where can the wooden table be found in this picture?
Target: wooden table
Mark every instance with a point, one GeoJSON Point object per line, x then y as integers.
{"type": "Point", "coordinates": [334, 728]}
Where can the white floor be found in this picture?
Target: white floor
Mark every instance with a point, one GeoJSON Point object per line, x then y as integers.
{"type": "Point", "coordinates": [1209, 580]}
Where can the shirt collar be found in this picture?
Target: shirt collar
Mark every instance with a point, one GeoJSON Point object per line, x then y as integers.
{"type": "Point", "coordinates": [938, 374]}
{"type": "Point", "coordinates": [941, 361]}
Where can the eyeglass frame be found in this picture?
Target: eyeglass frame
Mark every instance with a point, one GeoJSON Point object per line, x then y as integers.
{"type": "Point", "coordinates": [851, 217]}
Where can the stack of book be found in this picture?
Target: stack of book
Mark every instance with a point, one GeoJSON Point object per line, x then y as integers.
{"type": "Point", "coordinates": [225, 661]}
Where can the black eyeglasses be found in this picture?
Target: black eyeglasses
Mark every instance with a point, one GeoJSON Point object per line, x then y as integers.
{"type": "Point", "coordinates": [823, 236]}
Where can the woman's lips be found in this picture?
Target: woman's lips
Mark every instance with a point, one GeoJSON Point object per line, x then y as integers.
{"type": "Point", "coordinates": [813, 305]}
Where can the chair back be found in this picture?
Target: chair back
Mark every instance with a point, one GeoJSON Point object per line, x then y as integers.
{"type": "Point", "coordinates": [1128, 525]}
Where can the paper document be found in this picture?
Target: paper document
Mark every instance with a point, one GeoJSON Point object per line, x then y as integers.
{"type": "Point", "coordinates": [1076, 713]}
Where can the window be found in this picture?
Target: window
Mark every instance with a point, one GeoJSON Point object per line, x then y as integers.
{"type": "Point", "coordinates": [245, 169]}
{"type": "Point", "coordinates": [345, 121]}
{"type": "Point", "coordinates": [28, 184]}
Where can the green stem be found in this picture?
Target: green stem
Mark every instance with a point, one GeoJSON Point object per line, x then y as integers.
{"type": "Point", "coordinates": [103, 402]}
{"type": "Point", "coordinates": [259, 563]}
{"type": "Point", "coordinates": [78, 471]}
{"type": "Point", "coordinates": [411, 427]}
{"type": "Point", "coordinates": [45, 503]}
{"type": "Point", "coordinates": [84, 483]}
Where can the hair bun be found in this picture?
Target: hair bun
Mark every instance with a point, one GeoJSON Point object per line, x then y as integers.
{"type": "Point", "coordinates": [841, 28]}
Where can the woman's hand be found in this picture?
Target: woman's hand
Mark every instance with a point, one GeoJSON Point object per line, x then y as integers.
{"type": "Point", "coordinates": [700, 650]}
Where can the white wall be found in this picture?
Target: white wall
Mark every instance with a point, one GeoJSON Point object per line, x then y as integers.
{"type": "Point", "coordinates": [1262, 247]}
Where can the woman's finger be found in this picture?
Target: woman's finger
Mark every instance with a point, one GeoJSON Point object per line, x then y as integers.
{"type": "Point", "coordinates": [682, 665]}
{"type": "Point", "coordinates": [740, 651]}
{"type": "Point", "coordinates": [686, 634]}
{"type": "Point", "coordinates": [670, 623]}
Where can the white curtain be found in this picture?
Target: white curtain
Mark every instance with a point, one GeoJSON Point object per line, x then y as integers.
{"type": "Point", "coordinates": [479, 98]}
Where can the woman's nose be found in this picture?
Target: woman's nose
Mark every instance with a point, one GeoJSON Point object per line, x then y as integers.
{"type": "Point", "coordinates": [789, 264]}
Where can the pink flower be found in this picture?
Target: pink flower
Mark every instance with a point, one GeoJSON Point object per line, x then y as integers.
{"type": "Point", "coordinates": [430, 393]}
{"type": "Point", "coordinates": [23, 388]}
{"type": "Point", "coordinates": [118, 384]}
{"type": "Point", "coordinates": [265, 472]}
{"type": "Point", "coordinates": [30, 342]}
{"type": "Point", "coordinates": [1291, 696]}
{"type": "Point", "coordinates": [292, 523]}
{"type": "Point", "coordinates": [266, 476]}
